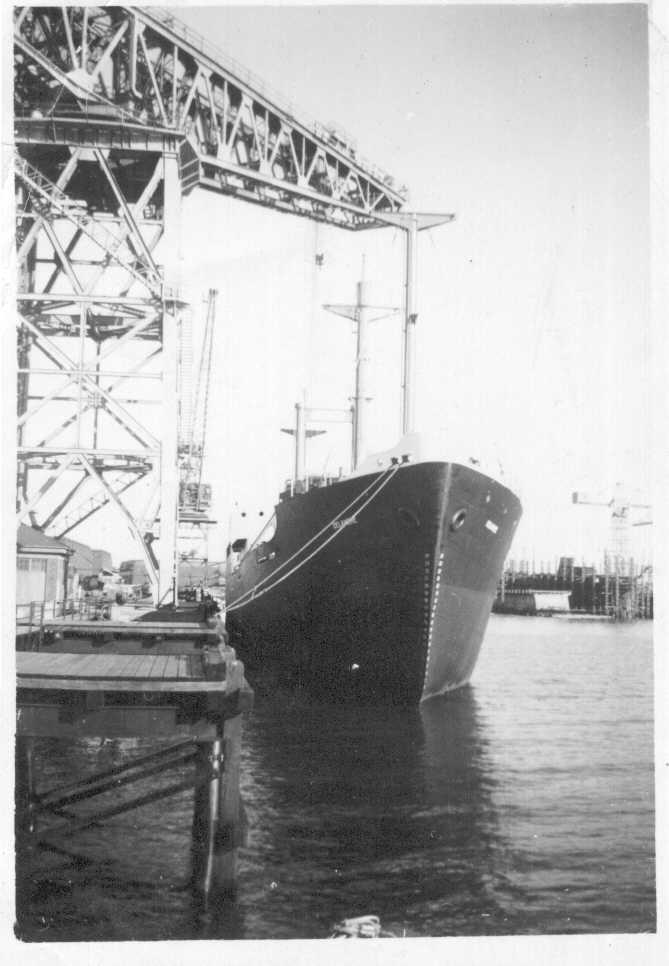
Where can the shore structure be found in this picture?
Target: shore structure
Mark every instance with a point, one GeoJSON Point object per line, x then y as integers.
{"type": "Point", "coordinates": [177, 683]}
{"type": "Point", "coordinates": [620, 589]}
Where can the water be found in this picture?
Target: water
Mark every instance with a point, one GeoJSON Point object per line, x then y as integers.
{"type": "Point", "coordinates": [522, 804]}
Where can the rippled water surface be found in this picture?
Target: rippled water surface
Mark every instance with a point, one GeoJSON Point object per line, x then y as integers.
{"type": "Point", "coordinates": [520, 804]}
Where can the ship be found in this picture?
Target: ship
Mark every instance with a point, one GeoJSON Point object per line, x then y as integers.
{"type": "Point", "coordinates": [378, 584]}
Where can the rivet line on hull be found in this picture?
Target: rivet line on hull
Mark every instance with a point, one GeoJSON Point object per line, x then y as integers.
{"type": "Point", "coordinates": [435, 599]}
{"type": "Point", "coordinates": [426, 609]}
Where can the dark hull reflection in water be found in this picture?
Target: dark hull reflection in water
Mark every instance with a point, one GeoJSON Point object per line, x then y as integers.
{"type": "Point", "coordinates": [520, 804]}
{"type": "Point", "coordinates": [381, 811]}
{"type": "Point", "coordinates": [350, 810]}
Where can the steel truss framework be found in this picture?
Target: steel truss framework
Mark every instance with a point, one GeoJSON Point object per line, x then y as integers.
{"type": "Point", "coordinates": [120, 111]}
{"type": "Point", "coordinates": [145, 68]}
{"type": "Point", "coordinates": [94, 314]}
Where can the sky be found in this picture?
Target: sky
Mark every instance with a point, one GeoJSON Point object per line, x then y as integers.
{"type": "Point", "coordinates": [530, 123]}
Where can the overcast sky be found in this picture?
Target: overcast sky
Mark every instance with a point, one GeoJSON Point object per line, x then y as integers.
{"type": "Point", "coordinates": [530, 123]}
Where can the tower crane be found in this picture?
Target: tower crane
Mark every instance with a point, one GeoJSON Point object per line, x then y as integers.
{"type": "Point", "coordinates": [194, 495]}
{"type": "Point", "coordinates": [620, 505]}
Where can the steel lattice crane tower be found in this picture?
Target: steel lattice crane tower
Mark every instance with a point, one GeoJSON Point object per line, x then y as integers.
{"type": "Point", "coordinates": [620, 505]}
{"type": "Point", "coordinates": [194, 495]}
{"type": "Point", "coordinates": [120, 112]}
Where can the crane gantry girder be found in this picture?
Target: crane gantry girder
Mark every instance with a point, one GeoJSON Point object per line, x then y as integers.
{"type": "Point", "coordinates": [141, 74]}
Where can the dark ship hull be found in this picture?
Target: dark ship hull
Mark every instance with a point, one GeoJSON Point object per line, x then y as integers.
{"type": "Point", "coordinates": [377, 585]}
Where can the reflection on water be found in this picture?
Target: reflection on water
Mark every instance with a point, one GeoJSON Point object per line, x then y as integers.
{"type": "Point", "coordinates": [522, 803]}
{"type": "Point", "coordinates": [341, 801]}
{"type": "Point", "coordinates": [353, 799]}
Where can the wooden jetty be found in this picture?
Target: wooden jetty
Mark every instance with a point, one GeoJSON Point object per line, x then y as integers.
{"type": "Point", "coordinates": [162, 681]}
{"type": "Point", "coordinates": [126, 637]}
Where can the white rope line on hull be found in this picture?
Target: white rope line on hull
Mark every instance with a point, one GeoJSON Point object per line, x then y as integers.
{"type": "Point", "coordinates": [327, 526]}
{"type": "Point", "coordinates": [254, 593]}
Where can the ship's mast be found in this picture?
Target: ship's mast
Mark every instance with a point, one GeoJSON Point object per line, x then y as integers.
{"type": "Point", "coordinates": [300, 442]}
{"type": "Point", "coordinates": [301, 434]}
{"type": "Point", "coordinates": [361, 373]}
{"type": "Point", "coordinates": [362, 313]}
{"type": "Point", "coordinates": [409, 324]}
{"type": "Point", "coordinates": [412, 222]}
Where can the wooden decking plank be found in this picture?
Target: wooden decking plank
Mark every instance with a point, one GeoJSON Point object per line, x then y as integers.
{"type": "Point", "coordinates": [99, 672]}
{"type": "Point", "coordinates": [194, 662]}
{"type": "Point", "coordinates": [184, 670]}
{"type": "Point", "coordinates": [50, 683]}
{"type": "Point", "coordinates": [172, 671]}
{"type": "Point", "coordinates": [149, 661]}
{"type": "Point", "coordinates": [77, 665]}
{"type": "Point", "coordinates": [136, 667]}
{"type": "Point", "coordinates": [162, 665]}
{"type": "Point", "coordinates": [125, 665]}
{"type": "Point", "coordinates": [139, 667]}
{"type": "Point", "coordinates": [166, 670]}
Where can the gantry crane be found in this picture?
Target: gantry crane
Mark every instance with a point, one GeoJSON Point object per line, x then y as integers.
{"type": "Point", "coordinates": [119, 112]}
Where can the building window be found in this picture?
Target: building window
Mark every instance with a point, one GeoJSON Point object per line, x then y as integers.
{"type": "Point", "coordinates": [30, 580]}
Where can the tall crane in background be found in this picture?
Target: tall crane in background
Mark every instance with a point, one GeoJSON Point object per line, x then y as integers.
{"type": "Point", "coordinates": [620, 505]}
{"type": "Point", "coordinates": [195, 496]}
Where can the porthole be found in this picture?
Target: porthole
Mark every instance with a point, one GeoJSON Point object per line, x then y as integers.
{"type": "Point", "coordinates": [458, 518]}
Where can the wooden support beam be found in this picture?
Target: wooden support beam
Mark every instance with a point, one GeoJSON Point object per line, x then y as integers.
{"type": "Point", "coordinates": [230, 818]}
{"type": "Point", "coordinates": [197, 697]}
{"type": "Point", "coordinates": [25, 785]}
{"type": "Point", "coordinates": [217, 814]}
{"type": "Point", "coordinates": [133, 629]}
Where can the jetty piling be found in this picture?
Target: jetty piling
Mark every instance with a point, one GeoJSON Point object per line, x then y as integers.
{"type": "Point", "coordinates": [176, 682]}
